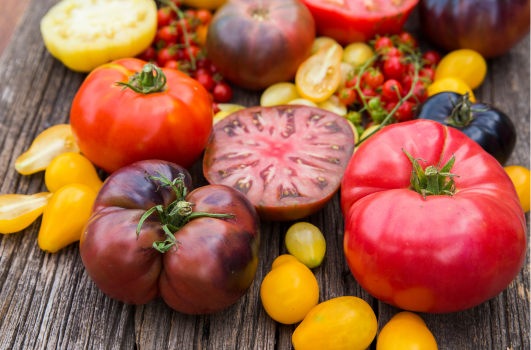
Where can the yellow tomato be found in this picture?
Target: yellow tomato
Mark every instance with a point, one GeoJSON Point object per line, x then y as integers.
{"type": "Point", "coordinates": [334, 105]}
{"type": "Point", "coordinates": [52, 142]}
{"type": "Point", "coordinates": [279, 94]}
{"type": "Point", "coordinates": [450, 84]}
{"type": "Point", "coordinates": [465, 64]}
{"type": "Point", "coordinates": [18, 211]}
{"type": "Point", "coordinates": [302, 101]}
{"type": "Point", "coordinates": [226, 109]}
{"type": "Point", "coordinates": [345, 323]}
{"type": "Point", "coordinates": [520, 177]}
{"type": "Point", "coordinates": [201, 34]}
{"type": "Point", "coordinates": [71, 168]}
{"type": "Point", "coordinates": [357, 54]}
{"type": "Point", "coordinates": [289, 291]}
{"type": "Point", "coordinates": [64, 217]}
{"type": "Point", "coordinates": [346, 69]}
{"type": "Point", "coordinates": [204, 4]}
{"type": "Point", "coordinates": [86, 34]}
{"type": "Point", "coordinates": [406, 331]}
{"type": "Point", "coordinates": [319, 76]}
{"type": "Point", "coordinates": [306, 242]}
{"type": "Point", "coordinates": [320, 42]}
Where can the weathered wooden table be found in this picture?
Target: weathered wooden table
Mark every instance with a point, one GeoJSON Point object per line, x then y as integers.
{"type": "Point", "coordinates": [48, 300]}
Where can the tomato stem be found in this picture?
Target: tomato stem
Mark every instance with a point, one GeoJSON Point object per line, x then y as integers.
{"type": "Point", "coordinates": [146, 82]}
{"type": "Point", "coordinates": [175, 215]}
{"type": "Point", "coordinates": [462, 113]}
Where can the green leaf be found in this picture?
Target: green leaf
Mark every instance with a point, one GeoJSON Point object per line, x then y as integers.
{"type": "Point", "coordinates": [423, 181]}
{"type": "Point", "coordinates": [157, 208]}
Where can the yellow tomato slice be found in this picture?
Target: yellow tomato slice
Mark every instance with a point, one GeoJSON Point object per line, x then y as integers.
{"type": "Point", "coordinates": [86, 34]}
{"type": "Point", "coordinates": [319, 76]}
{"type": "Point", "coordinates": [49, 144]}
{"type": "Point", "coordinates": [18, 211]}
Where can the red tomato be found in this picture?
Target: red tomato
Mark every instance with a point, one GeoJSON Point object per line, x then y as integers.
{"type": "Point", "coordinates": [266, 153]}
{"type": "Point", "coordinates": [169, 34]}
{"type": "Point", "coordinates": [164, 16]}
{"type": "Point", "coordinates": [256, 43]}
{"type": "Point", "coordinates": [374, 79]}
{"type": "Point", "coordinates": [407, 81]}
{"type": "Point", "coordinates": [203, 63]}
{"type": "Point", "coordinates": [432, 58]}
{"type": "Point", "coordinates": [390, 89]}
{"type": "Point", "coordinates": [166, 54]}
{"type": "Point", "coordinates": [194, 50]}
{"type": "Point", "coordinates": [439, 254]}
{"type": "Point", "coordinates": [404, 112]}
{"type": "Point", "coordinates": [148, 55]}
{"type": "Point", "coordinates": [393, 52]}
{"type": "Point", "coordinates": [351, 82]}
{"type": "Point", "coordinates": [115, 127]}
{"type": "Point", "coordinates": [420, 92]}
{"type": "Point", "coordinates": [383, 43]}
{"type": "Point", "coordinates": [201, 71]}
{"type": "Point", "coordinates": [204, 16]}
{"type": "Point", "coordinates": [347, 96]}
{"type": "Point", "coordinates": [222, 93]}
{"type": "Point", "coordinates": [408, 40]}
{"type": "Point", "coordinates": [427, 72]}
{"type": "Point", "coordinates": [207, 81]}
{"type": "Point", "coordinates": [212, 265]}
{"type": "Point", "coordinates": [393, 68]}
{"type": "Point", "coordinates": [349, 21]}
{"type": "Point", "coordinates": [172, 64]}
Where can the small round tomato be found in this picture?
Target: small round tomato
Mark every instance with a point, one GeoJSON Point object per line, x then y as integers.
{"type": "Point", "coordinates": [357, 54]}
{"type": "Point", "coordinates": [319, 76]}
{"type": "Point", "coordinates": [393, 52]}
{"type": "Point", "coordinates": [192, 50]}
{"type": "Point", "coordinates": [374, 78]}
{"type": "Point", "coordinates": [407, 81]}
{"type": "Point", "coordinates": [306, 242]}
{"type": "Point", "coordinates": [406, 330]}
{"type": "Point", "coordinates": [166, 54]}
{"type": "Point", "coordinates": [169, 34]}
{"type": "Point", "coordinates": [344, 323]}
{"type": "Point", "coordinates": [465, 64]}
{"type": "Point", "coordinates": [431, 58]}
{"type": "Point", "coordinates": [204, 16]}
{"type": "Point", "coordinates": [148, 55]}
{"type": "Point", "coordinates": [172, 64]}
{"type": "Point", "coordinates": [302, 102]}
{"type": "Point", "coordinates": [164, 16]}
{"type": "Point", "coordinates": [392, 90]}
{"type": "Point", "coordinates": [420, 93]}
{"type": "Point", "coordinates": [289, 291]}
{"type": "Point", "coordinates": [320, 42]}
{"type": "Point", "coordinates": [368, 93]}
{"type": "Point", "coordinates": [404, 112]}
{"type": "Point", "coordinates": [346, 69]}
{"type": "Point", "coordinates": [393, 68]}
{"type": "Point", "coordinates": [207, 81]}
{"type": "Point", "coordinates": [71, 168]}
{"type": "Point", "coordinates": [279, 94]}
{"type": "Point", "coordinates": [347, 96]}
{"type": "Point", "coordinates": [428, 73]}
{"type": "Point", "coordinates": [408, 40]}
{"type": "Point", "coordinates": [222, 93]}
{"type": "Point", "coordinates": [383, 43]}
{"type": "Point", "coordinates": [520, 177]}
{"type": "Point", "coordinates": [351, 82]}
{"type": "Point", "coordinates": [453, 84]}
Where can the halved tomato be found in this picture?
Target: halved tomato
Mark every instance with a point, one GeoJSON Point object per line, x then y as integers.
{"type": "Point", "coordinates": [348, 21]}
{"type": "Point", "coordinates": [288, 160]}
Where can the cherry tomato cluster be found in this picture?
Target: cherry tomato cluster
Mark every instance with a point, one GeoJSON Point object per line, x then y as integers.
{"type": "Point", "coordinates": [388, 78]}
{"type": "Point", "coordinates": [179, 44]}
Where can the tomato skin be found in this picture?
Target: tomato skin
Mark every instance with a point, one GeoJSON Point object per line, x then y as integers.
{"type": "Point", "coordinates": [406, 330]}
{"type": "Point", "coordinates": [393, 68]}
{"type": "Point", "coordinates": [392, 89]}
{"type": "Point", "coordinates": [18, 211]}
{"type": "Point", "coordinates": [520, 177]}
{"type": "Point", "coordinates": [431, 57]}
{"type": "Point", "coordinates": [164, 16]}
{"type": "Point", "coordinates": [153, 126]}
{"type": "Point", "coordinates": [254, 50]}
{"type": "Point", "coordinates": [465, 64]}
{"type": "Point", "coordinates": [394, 255]}
{"type": "Point", "coordinates": [212, 267]}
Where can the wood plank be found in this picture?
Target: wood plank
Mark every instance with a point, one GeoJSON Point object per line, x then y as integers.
{"type": "Point", "coordinates": [10, 15]}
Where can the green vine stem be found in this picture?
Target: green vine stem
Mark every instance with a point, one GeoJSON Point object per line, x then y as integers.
{"type": "Point", "coordinates": [146, 82]}
{"type": "Point", "coordinates": [183, 27]}
{"type": "Point", "coordinates": [175, 215]}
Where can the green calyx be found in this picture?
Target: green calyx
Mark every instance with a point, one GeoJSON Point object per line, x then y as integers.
{"type": "Point", "coordinates": [433, 180]}
{"type": "Point", "coordinates": [146, 82]}
{"type": "Point", "coordinates": [175, 215]}
{"type": "Point", "coordinates": [462, 112]}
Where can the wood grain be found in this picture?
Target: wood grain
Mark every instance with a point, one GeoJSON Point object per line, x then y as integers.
{"type": "Point", "coordinates": [47, 301]}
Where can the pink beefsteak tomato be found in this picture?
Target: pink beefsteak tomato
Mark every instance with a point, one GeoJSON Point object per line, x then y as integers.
{"type": "Point", "coordinates": [433, 222]}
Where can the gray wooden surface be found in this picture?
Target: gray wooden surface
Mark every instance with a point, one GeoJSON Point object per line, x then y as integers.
{"type": "Point", "coordinates": [48, 300]}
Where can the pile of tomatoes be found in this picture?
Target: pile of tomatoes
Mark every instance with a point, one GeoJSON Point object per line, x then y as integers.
{"type": "Point", "coordinates": [179, 44]}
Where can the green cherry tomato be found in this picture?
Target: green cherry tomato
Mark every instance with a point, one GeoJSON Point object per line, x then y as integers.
{"type": "Point", "coordinates": [306, 242]}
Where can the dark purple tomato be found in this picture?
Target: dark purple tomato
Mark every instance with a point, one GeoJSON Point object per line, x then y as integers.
{"type": "Point", "coordinates": [255, 44]}
{"type": "Point", "coordinates": [208, 264]}
{"type": "Point", "coordinates": [490, 27]}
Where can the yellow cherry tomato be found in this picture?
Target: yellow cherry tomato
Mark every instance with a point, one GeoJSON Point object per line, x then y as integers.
{"type": "Point", "coordinates": [520, 177]}
{"type": "Point", "coordinates": [318, 77]}
{"type": "Point", "coordinates": [465, 64]}
{"type": "Point", "coordinates": [18, 211]}
{"type": "Point", "coordinates": [320, 41]}
{"type": "Point", "coordinates": [344, 323]}
{"type": "Point", "coordinates": [302, 101]}
{"type": "Point", "coordinates": [333, 105]}
{"type": "Point", "coordinates": [86, 34]}
{"type": "Point", "coordinates": [406, 331]}
{"type": "Point", "coordinates": [279, 94]}
{"type": "Point", "coordinates": [357, 54]}
{"type": "Point", "coordinates": [64, 217]}
{"type": "Point", "coordinates": [306, 242]}
{"type": "Point", "coordinates": [451, 84]}
{"type": "Point", "coordinates": [289, 291]}
{"type": "Point", "coordinates": [71, 168]}
{"type": "Point", "coordinates": [52, 142]}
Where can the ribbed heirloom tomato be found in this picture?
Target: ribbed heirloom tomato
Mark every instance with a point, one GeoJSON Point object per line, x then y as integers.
{"type": "Point", "coordinates": [168, 118]}
{"type": "Point", "coordinates": [459, 246]}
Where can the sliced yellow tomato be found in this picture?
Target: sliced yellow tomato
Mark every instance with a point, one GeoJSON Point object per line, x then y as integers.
{"type": "Point", "coordinates": [18, 211]}
{"type": "Point", "coordinates": [49, 144]}
{"type": "Point", "coordinates": [319, 76]}
{"type": "Point", "coordinates": [225, 110]}
{"type": "Point", "coordinates": [64, 217]}
{"type": "Point", "coordinates": [71, 168]}
{"type": "Point", "coordinates": [86, 34]}
{"type": "Point", "coordinates": [334, 105]}
{"type": "Point", "coordinates": [279, 94]}
{"type": "Point", "coordinates": [453, 84]}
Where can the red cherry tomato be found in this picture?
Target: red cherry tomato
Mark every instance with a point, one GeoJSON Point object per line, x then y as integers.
{"type": "Point", "coordinates": [204, 16]}
{"type": "Point", "coordinates": [420, 92]}
{"type": "Point", "coordinates": [203, 63]}
{"type": "Point", "coordinates": [393, 68]}
{"type": "Point", "coordinates": [383, 43]}
{"type": "Point", "coordinates": [427, 72]}
{"type": "Point", "coordinates": [215, 107]}
{"type": "Point", "coordinates": [169, 34]}
{"type": "Point", "coordinates": [432, 58]}
{"type": "Point", "coordinates": [201, 71]}
{"type": "Point", "coordinates": [347, 96]}
{"type": "Point", "coordinates": [351, 82]}
{"type": "Point", "coordinates": [393, 52]}
{"type": "Point", "coordinates": [206, 80]}
{"type": "Point", "coordinates": [404, 112]}
{"type": "Point", "coordinates": [374, 79]}
{"type": "Point", "coordinates": [168, 53]}
{"type": "Point", "coordinates": [222, 93]}
{"type": "Point", "coordinates": [172, 64]}
{"type": "Point", "coordinates": [390, 89]}
{"type": "Point", "coordinates": [148, 55]}
{"type": "Point", "coordinates": [368, 93]}
{"type": "Point", "coordinates": [190, 13]}
{"type": "Point", "coordinates": [408, 40]}
{"type": "Point", "coordinates": [195, 50]}
{"type": "Point", "coordinates": [164, 16]}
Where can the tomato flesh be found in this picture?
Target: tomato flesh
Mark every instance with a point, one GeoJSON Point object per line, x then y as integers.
{"type": "Point", "coordinates": [288, 160]}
